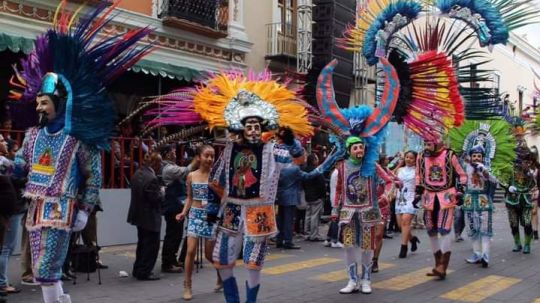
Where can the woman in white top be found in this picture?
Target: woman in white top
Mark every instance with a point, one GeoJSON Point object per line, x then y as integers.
{"type": "Point", "coordinates": [405, 211]}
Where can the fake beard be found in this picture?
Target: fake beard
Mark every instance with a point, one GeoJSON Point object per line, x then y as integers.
{"type": "Point", "coordinates": [43, 119]}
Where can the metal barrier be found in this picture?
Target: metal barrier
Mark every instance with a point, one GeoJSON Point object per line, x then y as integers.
{"type": "Point", "coordinates": [127, 155]}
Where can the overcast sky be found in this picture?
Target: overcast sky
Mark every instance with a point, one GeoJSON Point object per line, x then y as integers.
{"type": "Point", "coordinates": [532, 31]}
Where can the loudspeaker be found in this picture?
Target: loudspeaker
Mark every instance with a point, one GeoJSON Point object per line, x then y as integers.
{"type": "Point", "coordinates": [330, 19]}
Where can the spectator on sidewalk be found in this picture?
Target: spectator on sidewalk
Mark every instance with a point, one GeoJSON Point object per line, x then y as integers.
{"type": "Point", "coordinates": [289, 195]}
{"type": "Point", "coordinates": [145, 213]}
{"type": "Point", "coordinates": [10, 216]}
{"type": "Point", "coordinates": [315, 191]}
{"type": "Point", "coordinates": [174, 179]}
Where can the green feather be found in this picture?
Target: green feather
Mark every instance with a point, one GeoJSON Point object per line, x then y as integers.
{"type": "Point", "coordinates": [503, 162]}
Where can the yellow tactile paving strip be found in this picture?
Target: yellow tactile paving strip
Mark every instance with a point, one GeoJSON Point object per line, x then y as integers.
{"type": "Point", "coordinates": [479, 290]}
{"type": "Point", "coordinates": [407, 280]}
{"type": "Point", "coordinates": [290, 267]}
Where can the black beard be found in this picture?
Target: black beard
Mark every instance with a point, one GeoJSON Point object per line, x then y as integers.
{"type": "Point", "coordinates": [43, 119]}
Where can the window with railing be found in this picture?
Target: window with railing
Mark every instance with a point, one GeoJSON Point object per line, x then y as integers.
{"type": "Point", "coordinates": [208, 17]}
{"type": "Point", "coordinates": [282, 35]}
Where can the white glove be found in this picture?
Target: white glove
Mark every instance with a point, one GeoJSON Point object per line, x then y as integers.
{"type": "Point", "coordinates": [80, 221]}
{"type": "Point", "coordinates": [480, 167]}
{"type": "Point", "coordinates": [512, 189]}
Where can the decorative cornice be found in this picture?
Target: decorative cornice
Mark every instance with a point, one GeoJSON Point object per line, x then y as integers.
{"type": "Point", "coordinates": [227, 51]}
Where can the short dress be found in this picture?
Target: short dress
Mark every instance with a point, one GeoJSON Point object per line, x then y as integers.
{"type": "Point", "coordinates": [405, 196]}
{"type": "Point", "coordinates": [197, 224]}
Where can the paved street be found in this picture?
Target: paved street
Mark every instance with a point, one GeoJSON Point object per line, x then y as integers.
{"type": "Point", "coordinates": [316, 273]}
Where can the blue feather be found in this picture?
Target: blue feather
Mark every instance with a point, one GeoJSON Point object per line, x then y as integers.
{"type": "Point", "coordinates": [373, 143]}
{"type": "Point", "coordinates": [494, 20]}
{"type": "Point", "coordinates": [409, 9]}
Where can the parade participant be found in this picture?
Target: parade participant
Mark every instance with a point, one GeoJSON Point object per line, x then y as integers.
{"type": "Point", "coordinates": [405, 211]}
{"type": "Point", "coordinates": [353, 184]}
{"type": "Point", "coordinates": [245, 177]}
{"type": "Point", "coordinates": [65, 76]}
{"type": "Point", "coordinates": [478, 206]}
{"type": "Point", "coordinates": [488, 148]}
{"type": "Point", "coordinates": [195, 211]}
{"type": "Point", "coordinates": [436, 170]}
{"type": "Point", "coordinates": [519, 200]}
{"type": "Point", "coordinates": [354, 199]}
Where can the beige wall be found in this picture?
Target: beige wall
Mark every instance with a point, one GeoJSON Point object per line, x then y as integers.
{"type": "Point", "coordinates": [257, 13]}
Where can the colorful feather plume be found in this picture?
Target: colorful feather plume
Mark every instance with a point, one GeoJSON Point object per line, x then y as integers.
{"type": "Point", "coordinates": [497, 135]}
{"type": "Point", "coordinates": [359, 126]}
{"type": "Point", "coordinates": [475, 82]}
{"type": "Point", "coordinates": [72, 49]}
{"type": "Point", "coordinates": [211, 99]}
{"type": "Point", "coordinates": [376, 22]}
{"type": "Point", "coordinates": [492, 20]}
{"type": "Point", "coordinates": [436, 103]}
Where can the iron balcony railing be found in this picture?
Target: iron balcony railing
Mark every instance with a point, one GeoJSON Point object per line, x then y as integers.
{"type": "Point", "coordinates": [208, 16]}
{"type": "Point", "coordinates": [281, 40]}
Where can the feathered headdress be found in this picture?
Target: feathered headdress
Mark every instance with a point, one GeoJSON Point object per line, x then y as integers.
{"type": "Point", "coordinates": [376, 23]}
{"type": "Point", "coordinates": [492, 20]}
{"type": "Point", "coordinates": [85, 64]}
{"type": "Point", "coordinates": [495, 137]}
{"type": "Point", "coordinates": [361, 121]}
{"type": "Point", "coordinates": [224, 100]}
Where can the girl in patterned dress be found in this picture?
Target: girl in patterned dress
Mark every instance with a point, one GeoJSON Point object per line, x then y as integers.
{"type": "Point", "coordinates": [405, 211]}
{"type": "Point", "coordinates": [198, 226]}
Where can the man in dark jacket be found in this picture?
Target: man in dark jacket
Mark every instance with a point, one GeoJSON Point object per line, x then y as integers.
{"type": "Point", "coordinates": [174, 179]}
{"type": "Point", "coordinates": [145, 213]}
{"type": "Point", "coordinates": [315, 190]}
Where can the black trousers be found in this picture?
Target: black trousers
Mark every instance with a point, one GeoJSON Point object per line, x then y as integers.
{"type": "Point", "coordinates": [147, 252]}
{"type": "Point", "coordinates": [171, 243]}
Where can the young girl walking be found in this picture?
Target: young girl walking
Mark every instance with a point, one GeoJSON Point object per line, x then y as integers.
{"type": "Point", "coordinates": [405, 211]}
{"type": "Point", "coordinates": [198, 227]}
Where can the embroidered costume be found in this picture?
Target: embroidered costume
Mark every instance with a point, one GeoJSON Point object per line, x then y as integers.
{"type": "Point", "coordinates": [354, 182]}
{"type": "Point", "coordinates": [62, 157]}
{"type": "Point", "coordinates": [245, 177]}
{"type": "Point", "coordinates": [520, 191]}
{"type": "Point", "coordinates": [489, 148]}
{"type": "Point", "coordinates": [430, 92]}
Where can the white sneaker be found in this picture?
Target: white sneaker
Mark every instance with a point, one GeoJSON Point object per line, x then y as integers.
{"type": "Point", "coordinates": [30, 283]}
{"type": "Point", "coordinates": [336, 245]}
{"type": "Point", "coordinates": [351, 287]}
{"type": "Point", "coordinates": [365, 286]}
{"type": "Point", "coordinates": [327, 243]}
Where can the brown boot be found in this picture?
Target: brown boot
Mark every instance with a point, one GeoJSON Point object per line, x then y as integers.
{"type": "Point", "coordinates": [438, 259]}
{"type": "Point", "coordinates": [187, 291]}
{"type": "Point", "coordinates": [446, 260]}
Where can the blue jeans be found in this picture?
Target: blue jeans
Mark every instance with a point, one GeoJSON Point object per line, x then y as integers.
{"type": "Point", "coordinates": [285, 221]}
{"type": "Point", "coordinates": [10, 241]}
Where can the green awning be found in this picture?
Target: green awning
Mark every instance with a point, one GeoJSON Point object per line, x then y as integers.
{"type": "Point", "coordinates": [155, 68]}
{"type": "Point", "coordinates": [16, 44]}
{"type": "Point", "coordinates": [165, 70]}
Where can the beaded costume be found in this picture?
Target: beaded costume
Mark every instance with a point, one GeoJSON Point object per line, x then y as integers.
{"type": "Point", "coordinates": [489, 149]}
{"type": "Point", "coordinates": [245, 177]}
{"type": "Point", "coordinates": [62, 158]}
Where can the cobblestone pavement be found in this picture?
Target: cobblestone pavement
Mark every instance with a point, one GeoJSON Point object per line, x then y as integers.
{"type": "Point", "coordinates": [316, 273]}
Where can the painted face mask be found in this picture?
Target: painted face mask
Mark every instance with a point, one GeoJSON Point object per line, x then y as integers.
{"type": "Point", "coordinates": [252, 130]}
